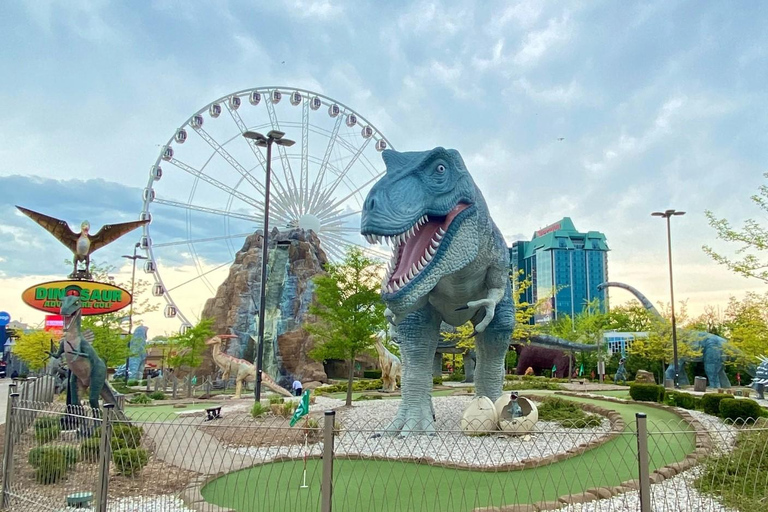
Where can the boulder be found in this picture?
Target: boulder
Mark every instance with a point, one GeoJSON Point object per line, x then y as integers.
{"type": "Point", "coordinates": [645, 377]}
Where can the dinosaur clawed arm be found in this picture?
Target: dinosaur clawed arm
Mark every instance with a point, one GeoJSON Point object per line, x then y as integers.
{"type": "Point", "coordinates": [489, 303]}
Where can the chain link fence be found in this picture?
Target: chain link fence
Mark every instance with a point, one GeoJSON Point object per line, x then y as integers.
{"type": "Point", "coordinates": [624, 456]}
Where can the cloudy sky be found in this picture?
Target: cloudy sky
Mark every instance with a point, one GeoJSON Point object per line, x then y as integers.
{"type": "Point", "coordinates": [601, 111]}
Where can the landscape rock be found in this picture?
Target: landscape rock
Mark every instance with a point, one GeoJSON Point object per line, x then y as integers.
{"type": "Point", "coordinates": [645, 377]}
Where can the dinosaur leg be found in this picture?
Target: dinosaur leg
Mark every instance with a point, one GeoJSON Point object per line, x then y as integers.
{"type": "Point", "coordinates": [725, 382]}
{"type": "Point", "coordinates": [419, 333]}
{"type": "Point", "coordinates": [238, 387]}
{"type": "Point", "coordinates": [491, 347]}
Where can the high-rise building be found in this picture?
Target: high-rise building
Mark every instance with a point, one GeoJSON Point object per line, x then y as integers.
{"type": "Point", "coordinates": [564, 264]}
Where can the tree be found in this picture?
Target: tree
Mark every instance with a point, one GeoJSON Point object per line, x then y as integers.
{"type": "Point", "coordinates": [349, 309]}
{"type": "Point", "coordinates": [33, 348]}
{"type": "Point", "coordinates": [752, 240]}
{"type": "Point", "coordinates": [747, 327]}
{"type": "Point", "coordinates": [187, 348]}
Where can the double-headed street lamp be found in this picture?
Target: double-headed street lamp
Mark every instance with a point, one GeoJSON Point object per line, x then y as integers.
{"type": "Point", "coordinates": [260, 140]}
{"type": "Point", "coordinates": [667, 214]}
{"type": "Point", "coordinates": [130, 313]}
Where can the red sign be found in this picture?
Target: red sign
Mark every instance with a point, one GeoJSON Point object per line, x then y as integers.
{"type": "Point", "coordinates": [548, 229]}
{"type": "Point", "coordinates": [54, 324]}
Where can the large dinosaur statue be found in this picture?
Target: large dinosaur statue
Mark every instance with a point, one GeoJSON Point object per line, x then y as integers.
{"type": "Point", "coordinates": [391, 367]}
{"type": "Point", "coordinates": [87, 369]}
{"type": "Point", "coordinates": [761, 377]}
{"type": "Point", "coordinates": [450, 263]}
{"type": "Point", "coordinates": [242, 370]}
{"type": "Point", "coordinates": [710, 346]}
{"type": "Point", "coordinates": [82, 244]}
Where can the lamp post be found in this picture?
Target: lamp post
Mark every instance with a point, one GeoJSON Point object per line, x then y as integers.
{"type": "Point", "coordinates": [260, 140]}
{"type": "Point", "coordinates": [667, 214]}
{"type": "Point", "coordinates": [130, 313]}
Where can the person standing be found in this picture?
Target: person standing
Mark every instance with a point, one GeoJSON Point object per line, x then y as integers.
{"type": "Point", "coordinates": [297, 387]}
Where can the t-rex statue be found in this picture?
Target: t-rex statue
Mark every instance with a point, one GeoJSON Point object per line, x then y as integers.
{"type": "Point", "coordinates": [391, 368]}
{"type": "Point", "coordinates": [242, 370]}
{"type": "Point", "coordinates": [87, 369]}
{"type": "Point", "coordinates": [450, 263]}
{"type": "Point", "coordinates": [710, 345]}
{"type": "Point", "coordinates": [82, 244]}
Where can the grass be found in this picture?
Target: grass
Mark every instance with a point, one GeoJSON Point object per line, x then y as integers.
{"type": "Point", "coordinates": [160, 412]}
{"type": "Point", "coordinates": [399, 485]}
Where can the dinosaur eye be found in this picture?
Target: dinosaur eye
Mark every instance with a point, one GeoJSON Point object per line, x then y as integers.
{"type": "Point", "coordinates": [441, 168]}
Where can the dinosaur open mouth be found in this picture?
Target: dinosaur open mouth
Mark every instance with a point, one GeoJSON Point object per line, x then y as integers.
{"type": "Point", "coordinates": [414, 248]}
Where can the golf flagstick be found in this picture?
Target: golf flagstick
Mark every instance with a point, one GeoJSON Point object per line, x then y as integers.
{"type": "Point", "coordinates": [304, 485]}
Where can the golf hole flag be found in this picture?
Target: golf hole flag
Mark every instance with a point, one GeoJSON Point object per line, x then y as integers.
{"type": "Point", "coordinates": [303, 408]}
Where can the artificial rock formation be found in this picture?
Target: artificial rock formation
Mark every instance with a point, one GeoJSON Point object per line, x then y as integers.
{"type": "Point", "coordinates": [295, 257]}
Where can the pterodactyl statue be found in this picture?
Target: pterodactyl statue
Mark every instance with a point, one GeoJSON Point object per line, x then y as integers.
{"type": "Point", "coordinates": [82, 244]}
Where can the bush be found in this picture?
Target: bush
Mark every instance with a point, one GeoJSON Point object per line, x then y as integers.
{"type": "Point", "coordinates": [46, 422]}
{"type": "Point", "coordinates": [46, 435]}
{"type": "Point", "coordinates": [532, 384]}
{"type": "Point", "coordinates": [259, 410]}
{"type": "Point", "coordinates": [739, 409]}
{"type": "Point", "coordinates": [141, 398]}
{"type": "Point", "coordinates": [90, 448]}
{"type": "Point", "coordinates": [372, 374]}
{"type": "Point", "coordinates": [455, 377]}
{"type": "Point", "coordinates": [567, 413]}
{"type": "Point", "coordinates": [51, 467]}
{"type": "Point", "coordinates": [358, 385]}
{"type": "Point", "coordinates": [126, 436]}
{"type": "Point", "coordinates": [679, 399]}
{"type": "Point", "coordinates": [157, 395]}
{"type": "Point", "coordinates": [142, 382]}
{"type": "Point", "coordinates": [368, 397]}
{"type": "Point", "coordinates": [710, 402]}
{"type": "Point", "coordinates": [288, 409]}
{"type": "Point", "coordinates": [71, 454]}
{"type": "Point", "coordinates": [646, 392]}
{"type": "Point", "coordinates": [437, 381]}
{"type": "Point", "coordinates": [130, 461]}
{"type": "Point", "coordinates": [133, 382]}
{"type": "Point", "coordinates": [276, 400]}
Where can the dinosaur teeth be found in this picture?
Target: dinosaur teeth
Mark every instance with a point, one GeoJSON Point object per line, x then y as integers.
{"type": "Point", "coordinates": [440, 231]}
{"type": "Point", "coordinates": [434, 243]}
{"type": "Point", "coordinates": [431, 251]}
{"type": "Point", "coordinates": [423, 262]}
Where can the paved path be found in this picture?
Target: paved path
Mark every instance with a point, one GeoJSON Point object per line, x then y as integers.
{"type": "Point", "coordinates": [4, 383]}
{"type": "Point", "coordinates": [183, 445]}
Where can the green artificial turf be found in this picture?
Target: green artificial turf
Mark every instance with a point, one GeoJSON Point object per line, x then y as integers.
{"type": "Point", "coordinates": [399, 485]}
{"type": "Point", "coordinates": [160, 412]}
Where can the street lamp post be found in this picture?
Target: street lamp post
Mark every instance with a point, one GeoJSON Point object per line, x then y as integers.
{"type": "Point", "coordinates": [130, 312]}
{"type": "Point", "coordinates": [260, 140]}
{"type": "Point", "coordinates": [667, 214]}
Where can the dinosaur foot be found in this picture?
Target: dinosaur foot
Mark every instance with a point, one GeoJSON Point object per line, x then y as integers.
{"type": "Point", "coordinates": [411, 421]}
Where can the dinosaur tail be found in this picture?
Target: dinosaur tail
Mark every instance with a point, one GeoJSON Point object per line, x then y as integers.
{"type": "Point", "coordinates": [545, 340]}
{"type": "Point", "coordinates": [266, 380]}
{"type": "Point", "coordinates": [647, 304]}
{"type": "Point", "coordinates": [110, 397]}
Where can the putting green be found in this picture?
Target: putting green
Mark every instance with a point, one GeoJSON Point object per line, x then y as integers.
{"type": "Point", "coordinates": [400, 485]}
{"type": "Point", "coordinates": [160, 412]}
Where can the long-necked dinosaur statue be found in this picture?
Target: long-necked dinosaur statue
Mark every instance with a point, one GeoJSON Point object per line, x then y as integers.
{"type": "Point", "coordinates": [242, 370]}
{"type": "Point", "coordinates": [391, 368]}
{"type": "Point", "coordinates": [710, 345]}
{"type": "Point", "coordinates": [87, 369]}
{"type": "Point", "coordinates": [450, 264]}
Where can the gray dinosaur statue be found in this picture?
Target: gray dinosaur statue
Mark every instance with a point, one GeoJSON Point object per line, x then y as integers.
{"type": "Point", "coordinates": [761, 377]}
{"type": "Point", "coordinates": [710, 346]}
{"type": "Point", "coordinates": [87, 369]}
{"type": "Point", "coordinates": [449, 264]}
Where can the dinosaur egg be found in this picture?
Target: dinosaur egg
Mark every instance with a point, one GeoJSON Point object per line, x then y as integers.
{"type": "Point", "coordinates": [520, 424]}
{"type": "Point", "coordinates": [479, 417]}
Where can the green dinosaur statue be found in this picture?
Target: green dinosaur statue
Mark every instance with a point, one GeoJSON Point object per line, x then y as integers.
{"type": "Point", "coordinates": [87, 369]}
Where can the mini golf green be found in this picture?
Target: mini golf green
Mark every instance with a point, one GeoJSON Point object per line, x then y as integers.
{"type": "Point", "coordinates": [160, 412]}
{"type": "Point", "coordinates": [399, 485]}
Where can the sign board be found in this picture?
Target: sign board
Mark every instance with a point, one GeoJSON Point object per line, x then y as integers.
{"type": "Point", "coordinates": [5, 318]}
{"type": "Point", "coordinates": [96, 298]}
{"type": "Point", "coordinates": [54, 324]}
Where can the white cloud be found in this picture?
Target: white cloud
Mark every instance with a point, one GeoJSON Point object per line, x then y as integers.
{"type": "Point", "coordinates": [540, 42]}
{"type": "Point", "coordinates": [558, 94]}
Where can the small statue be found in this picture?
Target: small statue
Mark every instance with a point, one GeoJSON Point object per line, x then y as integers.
{"type": "Point", "coordinates": [621, 373]}
{"type": "Point", "coordinates": [82, 244]}
{"type": "Point", "coordinates": [514, 408]}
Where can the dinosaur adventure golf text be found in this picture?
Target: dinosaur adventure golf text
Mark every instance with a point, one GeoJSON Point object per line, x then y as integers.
{"type": "Point", "coordinates": [96, 298]}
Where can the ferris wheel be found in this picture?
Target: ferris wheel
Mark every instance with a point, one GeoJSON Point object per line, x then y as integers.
{"type": "Point", "coordinates": [205, 191]}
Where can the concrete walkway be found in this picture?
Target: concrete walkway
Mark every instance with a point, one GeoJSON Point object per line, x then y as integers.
{"type": "Point", "coordinates": [183, 445]}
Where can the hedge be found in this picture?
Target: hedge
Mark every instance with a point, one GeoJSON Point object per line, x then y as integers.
{"type": "Point", "coordinates": [710, 402]}
{"type": "Point", "coordinates": [90, 448]}
{"type": "Point", "coordinates": [372, 374]}
{"type": "Point", "coordinates": [684, 400]}
{"type": "Point", "coordinates": [739, 409]}
{"type": "Point", "coordinates": [647, 392]}
{"type": "Point", "coordinates": [129, 461]}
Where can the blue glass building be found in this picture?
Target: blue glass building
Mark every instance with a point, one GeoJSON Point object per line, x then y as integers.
{"type": "Point", "coordinates": [558, 257]}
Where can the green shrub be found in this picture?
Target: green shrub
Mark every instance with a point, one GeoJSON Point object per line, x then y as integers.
{"type": "Point", "coordinates": [710, 402]}
{"type": "Point", "coordinates": [646, 392]}
{"type": "Point", "coordinates": [739, 409]}
{"type": "Point", "coordinates": [455, 377]}
{"type": "Point", "coordinates": [259, 410]}
{"type": "Point", "coordinates": [437, 381]}
{"type": "Point", "coordinates": [532, 384]}
{"type": "Point", "coordinates": [372, 374]}
{"type": "Point", "coordinates": [89, 449]}
{"type": "Point", "coordinates": [130, 461]}
{"type": "Point", "coordinates": [368, 397]}
{"type": "Point", "coordinates": [288, 409]}
{"type": "Point", "coordinates": [51, 467]}
{"type": "Point", "coordinates": [680, 399]}
{"type": "Point", "coordinates": [157, 395]}
{"type": "Point", "coordinates": [142, 382]}
{"type": "Point", "coordinates": [567, 413]}
{"type": "Point", "coordinates": [46, 435]}
{"type": "Point", "coordinates": [141, 398]}
{"type": "Point", "coordinates": [276, 400]}
{"type": "Point", "coordinates": [126, 436]}
{"type": "Point", "coordinates": [47, 422]}
{"type": "Point", "coordinates": [358, 385]}
{"type": "Point", "coordinates": [71, 454]}
{"type": "Point", "coordinates": [133, 382]}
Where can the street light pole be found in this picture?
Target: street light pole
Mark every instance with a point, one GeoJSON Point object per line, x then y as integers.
{"type": "Point", "coordinates": [130, 312]}
{"type": "Point", "coordinates": [260, 140]}
{"type": "Point", "coordinates": [667, 214]}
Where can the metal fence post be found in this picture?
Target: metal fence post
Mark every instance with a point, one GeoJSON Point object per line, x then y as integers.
{"type": "Point", "coordinates": [642, 461]}
{"type": "Point", "coordinates": [105, 455]}
{"type": "Point", "coordinates": [326, 488]}
{"type": "Point", "coordinates": [8, 453]}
